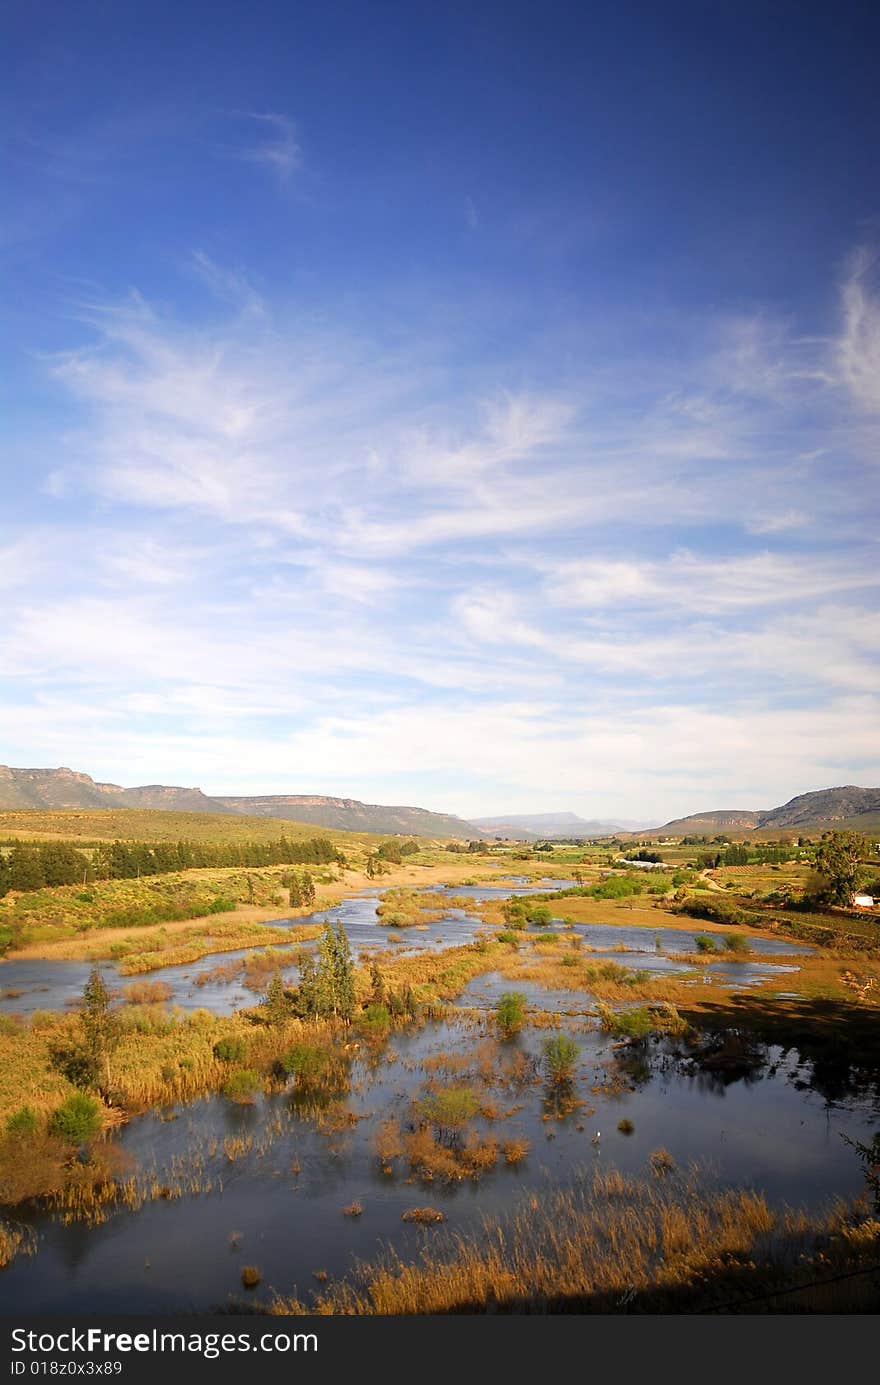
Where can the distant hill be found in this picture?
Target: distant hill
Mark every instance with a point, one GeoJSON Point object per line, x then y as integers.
{"type": "Point", "coordinates": [350, 814]}
{"type": "Point", "coordinates": [66, 788]}
{"type": "Point", "coordinates": [847, 806]}
{"type": "Point", "coordinates": [529, 827]}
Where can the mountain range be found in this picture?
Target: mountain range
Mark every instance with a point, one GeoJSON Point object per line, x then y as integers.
{"type": "Point", "coordinates": [845, 806]}
{"type": "Point", "coordinates": [66, 788]}
{"type": "Point", "coordinates": [543, 826]}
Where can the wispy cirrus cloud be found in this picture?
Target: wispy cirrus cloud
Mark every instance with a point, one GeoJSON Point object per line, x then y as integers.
{"type": "Point", "coordinates": [287, 533]}
{"type": "Point", "coordinates": [274, 145]}
{"type": "Point", "coordinates": [858, 347]}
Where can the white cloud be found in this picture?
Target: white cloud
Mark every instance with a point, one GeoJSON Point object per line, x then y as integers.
{"type": "Point", "coordinates": [278, 150]}
{"type": "Point", "coordinates": [694, 582]}
{"type": "Point", "coordinates": [858, 347]}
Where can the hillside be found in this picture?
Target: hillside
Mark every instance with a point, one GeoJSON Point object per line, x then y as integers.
{"type": "Point", "coordinates": [728, 820]}
{"type": "Point", "coordinates": [826, 805]}
{"type": "Point", "coordinates": [156, 825]}
{"type": "Point", "coordinates": [847, 806]}
{"type": "Point", "coordinates": [67, 789]}
{"type": "Point", "coordinates": [539, 826]}
{"type": "Point", "coordinates": [351, 815]}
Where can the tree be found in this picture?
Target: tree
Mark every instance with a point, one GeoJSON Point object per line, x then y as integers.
{"type": "Point", "coordinates": [99, 1025]}
{"type": "Point", "coordinates": [83, 1063]}
{"type": "Point", "coordinates": [838, 860]}
{"type": "Point", "coordinates": [275, 1002]}
{"type": "Point", "coordinates": [334, 980]}
{"type": "Point", "coordinates": [343, 974]}
{"type": "Point", "coordinates": [509, 1013]}
{"type": "Point", "coordinates": [378, 989]}
{"type": "Point", "coordinates": [306, 1002]}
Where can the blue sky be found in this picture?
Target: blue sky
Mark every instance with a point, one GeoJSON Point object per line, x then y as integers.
{"type": "Point", "coordinates": [467, 405]}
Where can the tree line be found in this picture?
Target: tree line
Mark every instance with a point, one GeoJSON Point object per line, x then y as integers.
{"type": "Point", "coordinates": [34, 865]}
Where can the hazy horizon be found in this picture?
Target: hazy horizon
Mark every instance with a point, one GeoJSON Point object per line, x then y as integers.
{"type": "Point", "coordinates": [397, 409]}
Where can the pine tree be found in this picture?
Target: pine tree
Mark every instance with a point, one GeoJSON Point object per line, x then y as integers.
{"type": "Point", "coordinates": [99, 1025]}
{"type": "Point", "coordinates": [378, 990]}
{"type": "Point", "coordinates": [343, 968]}
{"type": "Point", "coordinates": [275, 1002]}
{"type": "Point", "coordinates": [307, 990]}
{"type": "Point", "coordinates": [325, 978]}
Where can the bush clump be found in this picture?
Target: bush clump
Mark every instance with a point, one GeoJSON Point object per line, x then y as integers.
{"type": "Point", "coordinates": [510, 1013]}
{"type": "Point", "coordinates": [738, 944]}
{"type": "Point", "coordinates": [306, 1062]}
{"type": "Point", "coordinates": [560, 1055]}
{"type": "Point", "coordinates": [22, 1124]}
{"type": "Point", "coordinates": [240, 1086]}
{"type": "Point", "coordinates": [375, 1019]}
{"type": "Point", "coordinates": [230, 1050]}
{"type": "Point", "coordinates": [77, 1121]}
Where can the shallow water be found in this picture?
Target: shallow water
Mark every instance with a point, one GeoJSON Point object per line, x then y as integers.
{"type": "Point", "coordinates": [45, 985]}
{"type": "Point", "coordinates": [765, 1131]}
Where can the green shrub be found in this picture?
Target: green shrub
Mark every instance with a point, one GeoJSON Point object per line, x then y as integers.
{"type": "Point", "coordinates": [616, 887]}
{"type": "Point", "coordinates": [560, 1055]}
{"type": "Point", "coordinates": [240, 1085]}
{"type": "Point", "coordinates": [375, 1018]}
{"type": "Point", "coordinates": [627, 1024]}
{"type": "Point", "coordinates": [220, 905]}
{"type": "Point", "coordinates": [230, 1050]}
{"type": "Point", "coordinates": [546, 938]}
{"type": "Point", "coordinates": [509, 1013]}
{"type": "Point", "coordinates": [718, 910]}
{"type": "Point", "coordinates": [507, 935]}
{"type": "Point", "coordinates": [449, 1108]}
{"type": "Point", "coordinates": [704, 942]}
{"type": "Point", "coordinates": [738, 944]}
{"type": "Point", "coordinates": [22, 1124]}
{"type": "Point", "coordinates": [77, 1121]}
{"type": "Point", "coordinates": [538, 914]}
{"type": "Point", "coordinates": [306, 1062]}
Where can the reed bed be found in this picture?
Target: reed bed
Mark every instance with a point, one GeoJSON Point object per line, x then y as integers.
{"type": "Point", "coordinates": [611, 1244]}
{"type": "Point", "coordinates": [15, 1239]}
{"type": "Point", "coordinates": [178, 949]}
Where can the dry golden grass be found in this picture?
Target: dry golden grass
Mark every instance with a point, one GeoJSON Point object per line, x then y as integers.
{"type": "Point", "coordinates": [15, 1240]}
{"type": "Point", "coordinates": [219, 938]}
{"type": "Point", "coordinates": [160, 1060]}
{"type": "Point", "coordinates": [612, 1243]}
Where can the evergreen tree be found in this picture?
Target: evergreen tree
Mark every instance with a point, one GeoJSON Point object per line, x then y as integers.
{"type": "Point", "coordinates": [25, 868]}
{"type": "Point", "coordinates": [275, 1002]}
{"type": "Point", "coordinates": [307, 990]}
{"type": "Point", "coordinates": [343, 972]}
{"type": "Point", "coordinates": [99, 1025]}
{"type": "Point", "coordinates": [378, 989]}
{"type": "Point", "coordinates": [325, 989]}
{"type": "Point", "coordinates": [838, 858]}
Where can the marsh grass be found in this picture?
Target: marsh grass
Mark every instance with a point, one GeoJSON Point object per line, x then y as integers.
{"type": "Point", "coordinates": [611, 1244]}
{"type": "Point", "coordinates": [15, 1240]}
